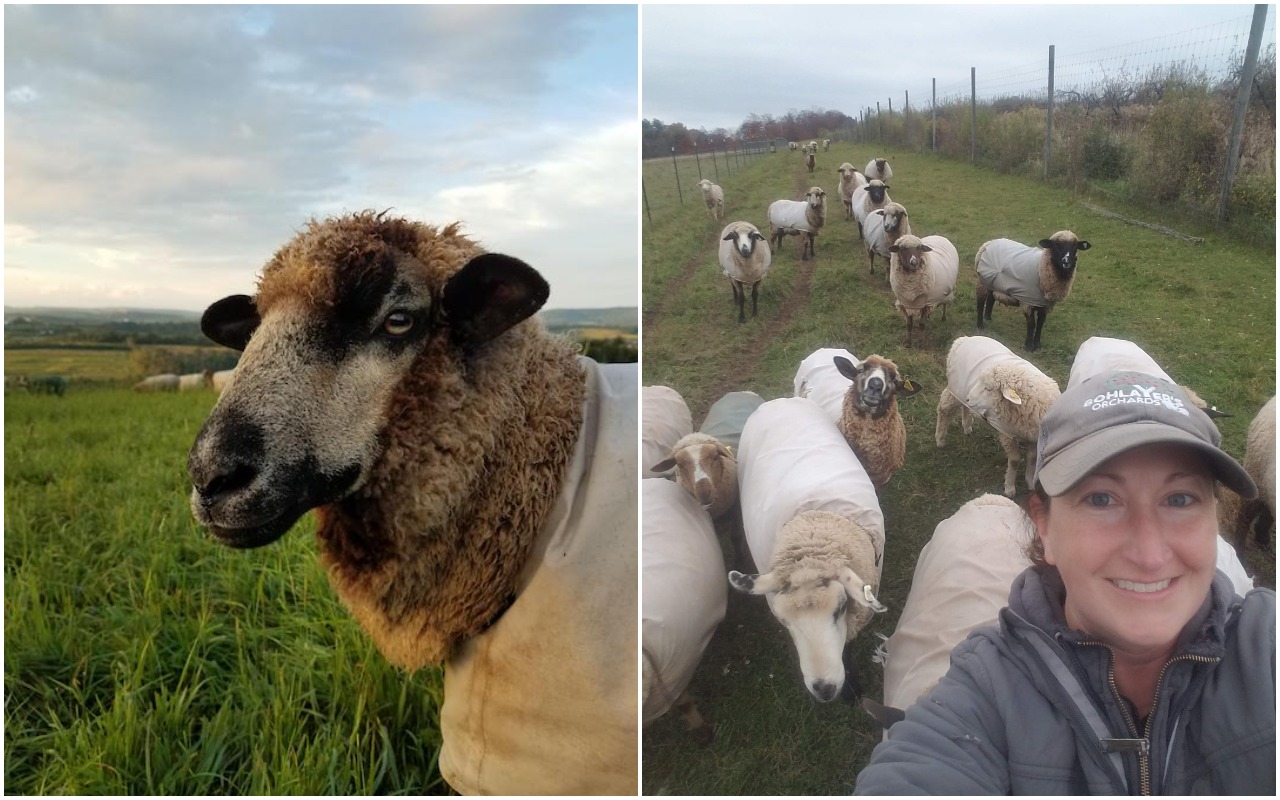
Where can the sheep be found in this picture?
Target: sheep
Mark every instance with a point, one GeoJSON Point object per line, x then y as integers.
{"type": "Point", "coordinates": [809, 161]}
{"type": "Point", "coordinates": [195, 381]}
{"type": "Point", "coordinates": [1100, 355]}
{"type": "Point", "coordinates": [1038, 278]}
{"type": "Point", "coordinates": [812, 519]}
{"type": "Point", "coordinates": [867, 411]}
{"type": "Point", "coordinates": [866, 199]}
{"type": "Point", "coordinates": [474, 482]}
{"type": "Point", "coordinates": [158, 383]}
{"type": "Point", "coordinates": [797, 217]}
{"type": "Point", "coordinates": [826, 145]}
{"type": "Point", "coordinates": [221, 378]}
{"type": "Point", "coordinates": [745, 257]}
{"type": "Point", "coordinates": [44, 384]}
{"type": "Point", "coordinates": [878, 169]}
{"type": "Point", "coordinates": [728, 415]}
{"type": "Point", "coordinates": [706, 469]}
{"type": "Point", "coordinates": [792, 145]}
{"type": "Point", "coordinates": [985, 378]}
{"type": "Point", "coordinates": [664, 420]}
{"type": "Point", "coordinates": [850, 179]}
{"type": "Point", "coordinates": [713, 196]}
{"type": "Point", "coordinates": [1260, 462]}
{"type": "Point", "coordinates": [881, 230]}
{"type": "Point", "coordinates": [923, 274]}
{"type": "Point", "coordinates": [684, 600]}
{"type": "Point", "coordinates": [813, 147]}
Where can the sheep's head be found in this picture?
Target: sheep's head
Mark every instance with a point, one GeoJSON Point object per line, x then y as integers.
{"type": "Point", "coordinates": [344, 312]}
{"type": "Point", "coordinates": [706, 469]}
{"type": "Point", "coordinates": [895, 218]}
{"type": "Point", "coordinates": [910, 251]}
{"type": "Point", "coordinates": [846, 171]}
{"type": "Point", "coordinates": [877, 189]}
{"type": "Point", "coordinates": [1063, 246]}
{"type": "Point", "coordinates": [744, 239]}
{"type": "Point", "coordinates": [880, 164]}
{"type": "Point", "coordinates": [705, 185]}
{"type": "Point", "coordinates": [815, 197]}
{"type": "Point", "coordinates": [876, 383]}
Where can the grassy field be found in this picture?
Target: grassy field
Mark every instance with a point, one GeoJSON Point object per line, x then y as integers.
{"type": "Point", "coordinates": [1205, 312]}
{"type": "Point", "coordinates": [143, 658]}
{"type": "Point", "coordinates": [84, 364]}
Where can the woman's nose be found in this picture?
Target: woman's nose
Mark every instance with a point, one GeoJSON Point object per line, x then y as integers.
{"type": "Point", "coordinates": [1148, 546]}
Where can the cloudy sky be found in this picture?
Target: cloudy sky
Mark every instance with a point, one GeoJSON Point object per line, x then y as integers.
{"type": "Point", "coordinates": [712, 66]}
{"type": "Point", "coordinates": [156, 156]}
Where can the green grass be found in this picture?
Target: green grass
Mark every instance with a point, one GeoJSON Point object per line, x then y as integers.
{"type": "Point", "coordinates": [143, 658]}
{"type": "Point", "coordinates": [1205, 312]}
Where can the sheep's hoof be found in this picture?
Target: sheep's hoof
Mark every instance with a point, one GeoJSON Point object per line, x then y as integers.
{"type": "Point", "coordinates": [703, 735]}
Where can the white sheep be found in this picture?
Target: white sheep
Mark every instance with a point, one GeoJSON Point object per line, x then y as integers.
{"type": "Point", "coordinates": [713, 196]}
{"type": "Point", "coordinates": [923, 274]}
{"type": "Point", "coordinates": [1260, 463]}
{"type": "Point", "coordinates": [195, 381]}
{"type": "Point", "coordinates": [985, 378]}
{"type": "Point", "coordinates": [826, 145]}
{"type": "Point", "coordinates": [866, 199]}
{"type": "Point", "coordinates": [850, 179]}
{"type": "Point", "coordinates": [818, 379]}
{"type": "Point", "coordinates": [684, 600]}
{"type": "Point", "coordinates": [167, 382]}
{"type": "Point", "coordinates": [799, 218]}
{"type": "Point", "coordinates": [474, 482]}
{"type": "Point", "coordinates": [664, 420]}
{"type": "Point", "coordinates": [745, 257]}
{"type": "Point", "coordinates": [878, 169]}
{"type": "Point", "coordinates": [1037, 278]}
{"type": "Point", "coordinates": [792, 145]}
{"type": "Point", "coordinates": [812, 520]}
{"type": "Point", "coordinates": [221, 379]}
{"type": "Point", "coordinates": [881, 230]}
{"type": "Point", "coordinates": [706, 469]}
{"type": "Point", "coordinates": [813, 147]}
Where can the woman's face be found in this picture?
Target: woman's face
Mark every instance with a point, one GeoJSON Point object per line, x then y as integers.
{"type": "Point", "coordinates": [1135, 544]}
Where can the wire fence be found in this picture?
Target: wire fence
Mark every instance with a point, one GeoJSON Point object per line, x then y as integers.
{"type": "Point", "coordinates": [679, 184]}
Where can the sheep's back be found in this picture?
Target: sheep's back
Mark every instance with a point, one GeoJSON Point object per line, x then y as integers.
{"type": "Point", "coordinates": [729, 415]}
{"type": "Point", "coordinates": [789, 214]}
{"type": "Point", "coordinates": [818, 379]}
{"type": "Point", "coordinates": [944, 261]}
{"type": "Point", "coordinates": [1013, 269]}
{"type": "Point", "coordinates": [1102, 355]}
{"type": "Point", "coordinates": [1260, 453]}
{"type": "Point", "coordinates": [793, 459]}
{"type": "Point", "coordinates": [969, 361]}
{"type": "Point", "coordinates": [874, 235]}
{"type": "Point", "coordinates": [664, 420]}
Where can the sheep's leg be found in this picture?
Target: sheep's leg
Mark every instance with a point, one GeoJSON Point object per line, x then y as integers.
{"type": "Point", "coordinates": [1014, 455]}
{"type": "Point", "coordinates": [871, 257]}
{"type": "Point", "coordinates": [851, 691]}
{"type": "Point", "coordinates": [966, 420]}
{"type": "Point", "coordinates": [947, 403]}
{"type": "Point", "coordinates": [1029, 345]}
{"type": "Point", "coordinates": [740, 295]}
{"type": "Point", "coordinates": [755, 287]}
{"type": "Point", "coordinates": [982, 301]}
{"type": "Point", "coordinates": [1040, 315]}
{"type": "Point", "coordinates": [699, 728]}
{"type": "Point", "coordinates": [910, 328]}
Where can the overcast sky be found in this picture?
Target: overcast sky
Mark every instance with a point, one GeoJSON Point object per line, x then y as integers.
{"type": "Point", "coordinates": [156, 156]}
{"type": "Point", "coordinates": [712, 66]}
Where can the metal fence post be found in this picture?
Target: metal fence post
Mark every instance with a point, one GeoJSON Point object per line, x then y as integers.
{"type": "Point", "coordinates": [973, 114]}
{"type": "Point", "coordinates": [679, 191]}
{"type": "Point", "coordinates": [933, 104]}
{"type": "Point", "coordinates": [906, 117]}
{"type": "Point", "coordinates": [1048, 132]}
{"type": "Point", "coordinates": [697, 159]}
{"type": "Point", "coordinates": [879, 124]}
{"type": "Point", "coordinates": [1242, 106]}
{"type": "Point", "coordinates": [714, 164]}
{"type": "Point", "coordinates": [645, 195]}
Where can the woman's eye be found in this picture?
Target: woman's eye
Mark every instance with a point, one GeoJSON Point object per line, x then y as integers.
{"type": "Point", "coordinates": [398, 323]}
{"type": "Point", "coordinates": [1098, 499]}
{"type": "Point", "coordinates": [1180, 500]}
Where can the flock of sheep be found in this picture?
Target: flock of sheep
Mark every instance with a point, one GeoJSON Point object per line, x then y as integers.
{"type": "Point", "coordinates": [806, 471]}
{"type": "Point", "coordinates": [169, 382]}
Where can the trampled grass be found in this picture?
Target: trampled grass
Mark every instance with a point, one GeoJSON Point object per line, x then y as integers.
{"type": "Point", "coordinates": [1206, 312]}
{"type": "Point", "coordinates": [143, 658]}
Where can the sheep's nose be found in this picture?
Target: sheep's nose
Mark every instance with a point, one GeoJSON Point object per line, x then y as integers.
{"type": "Point", "coordinates": [876, 384]}
{"type": "Point", "coordinates": [224, 458]}
{"type": "Point", "coordinates": [216, 479]}
{"type": "Point", "coordinates": [825, 691]}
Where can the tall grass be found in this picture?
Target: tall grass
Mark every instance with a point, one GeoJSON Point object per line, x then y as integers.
{"type": "Point", "coordinates": [1206, 312]}
{"type": "Point", "coordinates": [143, 658]}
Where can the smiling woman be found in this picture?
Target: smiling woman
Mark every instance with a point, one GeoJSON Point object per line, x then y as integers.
{"type": "Point", "coordinates": [1122, 637]}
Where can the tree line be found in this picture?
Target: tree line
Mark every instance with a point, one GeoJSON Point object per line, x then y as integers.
{"type": "Point", "coordinates": [658, 137]}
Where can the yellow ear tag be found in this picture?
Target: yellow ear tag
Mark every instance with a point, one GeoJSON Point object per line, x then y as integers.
{"type": "Point", "coordinates": [908, 385]}
{"type": "Point", "coordinates": [1012, 396]}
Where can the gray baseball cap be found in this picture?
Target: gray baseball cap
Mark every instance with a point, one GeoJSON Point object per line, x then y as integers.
{"type": "Point", "coordinates": [1110, 414]}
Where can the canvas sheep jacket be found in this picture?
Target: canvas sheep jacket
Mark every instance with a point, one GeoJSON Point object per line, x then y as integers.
{"type": "Point", "coordinates": [1100, 355]}
{"type": "Point", "coordinates": [945, 263]}
{"type": "Point", "coordinates": [789, 214]}
{"type": "Point", "coordinates": [544, 701]}
{"type": "Point", "coordinates": [820, 381]}
{"type": "Point", "coordinates": [664, 420]}
{"type": "Point", "coordinates": [1013, 269]}
{"type": "Point", "coordinates": [685, 591]}
{"type": "Point", "coordinates": [968, 359]}
{"type": "Point", "coordinates": [729, 415]}
{"type": "Point", "coordinates": [1026, 708]}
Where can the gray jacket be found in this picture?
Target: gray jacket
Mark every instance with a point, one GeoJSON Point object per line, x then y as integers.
{"type": "Point", "coordinates": [1027, 708]}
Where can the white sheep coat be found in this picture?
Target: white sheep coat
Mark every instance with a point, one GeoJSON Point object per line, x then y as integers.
{"type": "Point", "coordinates": [818, 379]}
{"type": "Point", "coordinates": [874, 174]}
{"type": "Point", "coordinates": [728, 416]}
{"type": "Point", "coordinates": [858, 201]}
{"type": "Point", "coordinates": [1100, 355]}
{"type": "Point", "coordinates": [551, 662]}
{"type": "Point", "coordinates": [788, 214]}
{"type": "Point", "coordinates": [793, 459]}
{"type": "Point", "coordinates": [875, 236]}
{"type": "Point", "coordinates": [664, 420]}
{"type": "Point", "coordinates": [969, 358]}
{"type": "Point", "coordinates": [944, 261]}
{"type": "Point", "coordinates": [1014, 269]}
{"type": "Point", "coordinates": [685, 591]}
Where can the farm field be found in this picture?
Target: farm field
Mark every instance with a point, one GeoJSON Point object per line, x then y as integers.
{"type": "Point", "coordinates": [1206, 312]}
{"type": "Point", "coordinates": [143, 658]}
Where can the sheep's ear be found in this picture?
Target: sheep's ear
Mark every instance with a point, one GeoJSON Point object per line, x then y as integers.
{"type": "Point", "coordinates": [894, 248]}
{"type": "Point", "coordinates": [756, 235]}
{"type": "Point", "coordinates": [1215, 413]}
{"type": "Point", "coordinates": [724, 449]}
{"type": "Point", "coordinates": [754, 584]}
{"type": "Point", "coordinates": [729, 235]}
{"type": "Point", "coordinates": [1009, 394]}
{"type": "Point", "coordinates": [1083, 245]}
{"type": "Point", "coordinates": [924, 248]}
{"type": "Point", "coordinates": [887, 186]}
{"type": "Point", "coordinates": [846, 368]}
{"type": "Point", "coordinates": [879, 211]}
{"type": "Point", "coordinates": [664, 465]}
{"type": "Point", "coordinates": [1046, 243]}
{"type": "Point", "coordinates": [231, 321]}
{"type": "Point", "coordinates": [859, 591]}
{"type": "Point", "coordinates": [489, 295]}
{"type": "Point", "coordinates": [908, 388]}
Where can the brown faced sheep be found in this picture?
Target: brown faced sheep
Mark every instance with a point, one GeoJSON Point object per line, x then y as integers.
{"type": "Point", "coordinates": [798, 218]}
{"type": "Point", "coordinates": [706, 469]}
{"type": "Point", "coordinates": [1038, 278]}
{"type": "Point", "coordinates": [850, 179]}
{"type": "Point", "coordinates": [870, 422]}
{"type": "Point", "coordinates": [809, 161]}
{"type": "Point", "coordinates": [392, 378]}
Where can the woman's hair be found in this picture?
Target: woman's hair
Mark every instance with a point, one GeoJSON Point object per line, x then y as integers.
{"type": "Point", "coordinates": [1033, 549]}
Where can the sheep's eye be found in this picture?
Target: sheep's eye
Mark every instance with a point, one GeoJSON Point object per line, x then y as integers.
{"type": "Point", "coordinates": [398, 323]}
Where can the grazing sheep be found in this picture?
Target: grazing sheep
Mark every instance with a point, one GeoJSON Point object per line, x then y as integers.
{"type": "Point", "coordinates": [878, 169]}
{"type": "Point", "coordinates": [44, 384]}
{"type": "Point", "coordinates": [923, 274]}
{"type": "Point", "coordinates": [684, 600]}
{"type": "Point", "coordinates": [882, 229]}
{"type": "Point", "coordinates": [850, 179]}
{"type": "Point", "coordinates": [866, 199]}
{"type": "Point", "coordinates": [706, 469]}
{"type": "Point", "coordinates": [713, 196]}
{"type": "Point", "coordinates": [158, 383]}
{"type": "Point", "coordinates": [797, 217]}
{"type": "Point", "coordinates": [985, 378]}
{"type": "Point", "coordinates": [826, 145]}
{"type": "Point", "coordinates": [745, 258]}
{"type": "Point", "coordinates": [474, 482]}
{"type": "Point", "coordinates": [1260, 462]}
{"type": "Point", "coordinates": [221, 379]}
{"type": "Point", "coordinates": [809, 161]}
{"type": "Point", "coordinates": [1037, 278]}
{"type": "Point", "coordinates": [195, 381]}
{"type": "Point", "coordinates": [812, 519]}
{"type": "Point", "coordinates": [664, 420]}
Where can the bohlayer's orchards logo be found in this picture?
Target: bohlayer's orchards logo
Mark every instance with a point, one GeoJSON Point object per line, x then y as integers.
{"type": "Point", "coordinates": [1139, 395]}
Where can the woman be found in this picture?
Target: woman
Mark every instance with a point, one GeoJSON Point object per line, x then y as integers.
{"type": "Point", "coordinates": [1124, 662]}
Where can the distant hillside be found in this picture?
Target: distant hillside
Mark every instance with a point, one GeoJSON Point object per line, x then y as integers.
{"type": "Point", "coordinates": [96, 316]}
{"type": "Point", "coordinates": [624, 319]}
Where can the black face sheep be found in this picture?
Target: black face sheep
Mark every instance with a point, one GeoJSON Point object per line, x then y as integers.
{"type": "Point", "coordinates": [881, 230]}
{"type": "Point", "coordinates": [44, 384]}
{"type": "Point", "coordinates": [394, 380]}
{"type": "Point", "coordinates": [868, 198]}
{"type": "Point", "coordinates": [799, 218]}
{"type": "Point", "coordinates": [922, 274]}
{"type": "Point", "coordinates": [878, 169]}
{"type": "Point", "coordinates": [745, 257]}
{"type": "Point", "coordinates": [810, 160]}
{"type": "Point", "coordinates": [1038, 278]}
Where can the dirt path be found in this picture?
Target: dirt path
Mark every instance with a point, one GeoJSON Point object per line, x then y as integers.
{"type": "Point", "coordinates": [674, 288]}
